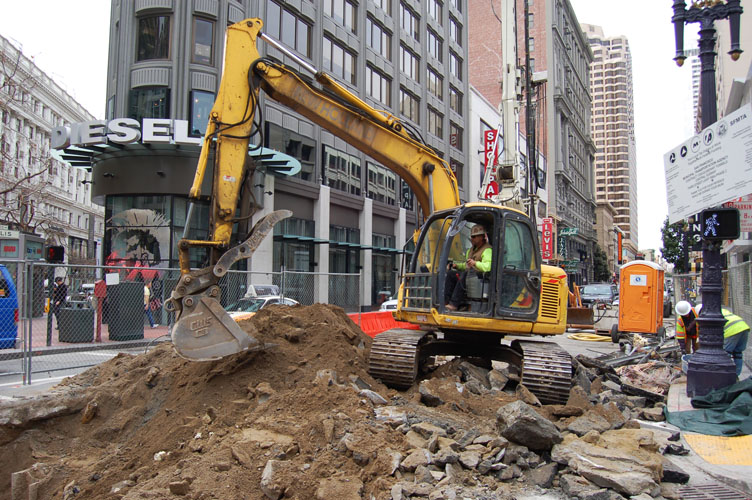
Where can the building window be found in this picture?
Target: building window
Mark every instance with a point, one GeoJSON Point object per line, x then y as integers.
{"type": "Point", "coordinates": [455, 31]}
{"type": "Point", "coordinates": [409, 22]}
{"type": "Point", "coordinates": [531, 44]}
{"type": "Point", "coordinates": [435, 83]}
{"type": "Point", "coordinates": [530, 19]}
{"type": "Point", "coordinates": [457, 4]}
{"type": "Point", "coordinates": [409, 106]}
{"type": "Point", "coordinates": [378, 39]}
{"type": "Point", "coordinates": [382, 184]}
{"type": "Point", "coordinates": [342, 171]}
{"type": "Point", "coordinates": [378, 86]}
{"type": "Point", "coordinates": [457, 168]}
{"type": "Point", "coordinates": [338, 61]}
{"type": "Point", "coordinates": [409, 63]}
{"type": "Point", "coordinates": [455, 65]}
{"type": "Point", "coordinates": [435, 9]}
{"type": "Point", "coordinates": [385, 5]}
{"type": "Point", "coordinates": [296, 145]}
{"type": "Point", "coordinates": [455, 136]}
{"type": "Point", "coordinates": [201, 105]}
{"type": "Point", "coordinates": [455, 100]}
{"type": "Point", "coordinates": [434, 45]}
{"type": "Point", "coordinates": [203, 41]}
{"type": "Point", "coordinates": [153, 38]}
{"type": "Point", "coordinates": [287, 27]}
{"type": "Point", "coordinates": [149, 102]}
{"type": "Point", "coordinates": [435, 123]}
{"type": "Point", "coordinates": [343, 12]}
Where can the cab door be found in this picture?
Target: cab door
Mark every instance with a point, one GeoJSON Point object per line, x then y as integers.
{"type": "Point", "coordinates": [518, 273]}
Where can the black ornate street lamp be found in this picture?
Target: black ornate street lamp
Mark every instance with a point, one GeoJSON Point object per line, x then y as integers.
{"type": "Point", "coordinates": [710, 368]}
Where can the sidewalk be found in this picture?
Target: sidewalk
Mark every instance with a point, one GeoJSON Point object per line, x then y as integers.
{"type": "Point", "coordinates": [727, 460]}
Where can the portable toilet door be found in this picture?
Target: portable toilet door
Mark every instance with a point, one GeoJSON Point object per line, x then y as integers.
{"type": "Point", "coordinates": [641, 297]}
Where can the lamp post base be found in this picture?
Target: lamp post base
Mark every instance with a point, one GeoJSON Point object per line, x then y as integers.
{"type": "Point", "coordinates": [708, 370]}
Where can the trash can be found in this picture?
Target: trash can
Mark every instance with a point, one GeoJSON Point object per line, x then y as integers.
{"type": "Point", "coordinates": [641, 297]}
{"type": "Point", "coordinates": [125, 319]}
{"type": "Point", "coordinates": [76, 322]}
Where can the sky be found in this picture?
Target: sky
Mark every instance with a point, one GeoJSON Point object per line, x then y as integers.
{"type": "Point", "coordinates": [68, 40]}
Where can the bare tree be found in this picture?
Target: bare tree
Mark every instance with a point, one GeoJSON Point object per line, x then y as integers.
{"type": "Point", "coordinates": [23, 181]}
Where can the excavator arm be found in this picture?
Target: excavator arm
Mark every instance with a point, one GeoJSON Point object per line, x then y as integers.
{"type": "Point", "coordinates": [203, 330]}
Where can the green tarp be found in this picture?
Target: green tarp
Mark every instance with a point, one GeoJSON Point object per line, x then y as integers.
{"type": "Point", "coordinates": [723, 412]}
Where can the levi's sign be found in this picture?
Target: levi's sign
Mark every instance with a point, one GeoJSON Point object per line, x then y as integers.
{"type": "Point", "coordinates": [547, 238]}
{"type": "Point", "coordinates": [123, 131]}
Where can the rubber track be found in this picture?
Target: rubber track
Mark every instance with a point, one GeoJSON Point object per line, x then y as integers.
{"type": "Point", "coordinates": [546, 371]}
{"type": "Point", "coordinates": [394, 357]}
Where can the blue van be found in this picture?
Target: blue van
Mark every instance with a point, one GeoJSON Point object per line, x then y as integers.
{"type": "Point", "coordinates": [8, 310]}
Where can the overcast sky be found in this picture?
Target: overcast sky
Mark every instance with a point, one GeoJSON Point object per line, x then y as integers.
{"type": "Point", "coordinates": [68, 40]}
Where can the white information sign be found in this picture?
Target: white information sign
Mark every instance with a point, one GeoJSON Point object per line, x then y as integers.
{"type": "Point", "coordinates": [712, 167]}
{"type": "Point", "coordinates": [638, 280]}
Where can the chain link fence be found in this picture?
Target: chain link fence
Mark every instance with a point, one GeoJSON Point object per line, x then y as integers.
{"type": "Point", "coordinates": [56, 317]}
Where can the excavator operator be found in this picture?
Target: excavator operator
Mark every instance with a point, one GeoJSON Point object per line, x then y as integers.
{"type": "Point", "coordinates": [478, 259]}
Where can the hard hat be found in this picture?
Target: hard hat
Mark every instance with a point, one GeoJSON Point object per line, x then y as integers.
{"type": "Point", "coordinates": [477, 229]}
{"type": "Point", "coordinates": [683, 307]}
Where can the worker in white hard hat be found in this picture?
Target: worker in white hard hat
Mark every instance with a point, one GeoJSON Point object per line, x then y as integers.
{"type": "Point", "coordinates": [735, 336]}
{"type": "Point", "coordinates": [686, 327]}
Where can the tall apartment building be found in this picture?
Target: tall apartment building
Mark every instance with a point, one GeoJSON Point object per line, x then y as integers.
{"type": "Point", "coordinates": [350, 214]}
{"type": "Point", "coordinates": [43, 198]}
{"type": "Point", "coordinates": [613, 131]}
{"type": "Point", "coordinates": [559, 54]}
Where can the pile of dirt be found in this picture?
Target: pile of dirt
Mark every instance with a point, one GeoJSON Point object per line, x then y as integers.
{"type": "Point", "coordinates": [301, 419]}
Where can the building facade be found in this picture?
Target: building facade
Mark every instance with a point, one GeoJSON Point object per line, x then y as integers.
{"type": "Point", "coordinates": [560, 59]}
{"type": "Point", "coordinates": [41, 195]}
{"type": "Point", "coordinates": [613, 131]}
{"type": "Point", "coordinates": [350, 214]}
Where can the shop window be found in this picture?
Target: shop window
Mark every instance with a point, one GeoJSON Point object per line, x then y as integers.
{"type": "Point", "coordinates": [153, 38]}
{"type": "Point", "coordinates": [201, 105]}
{"type": "Point", "coordinates": [203, 41]}
{"type": "Point", "coordinates": [149, 102]}
{"type": "Point", "coordinates": [341, 171]}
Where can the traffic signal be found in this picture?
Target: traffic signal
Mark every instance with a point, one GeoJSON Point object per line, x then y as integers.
{"type": "Point", "coordinates": [720, 224]}
{"type": "Point", "coordinates": [55, 254]}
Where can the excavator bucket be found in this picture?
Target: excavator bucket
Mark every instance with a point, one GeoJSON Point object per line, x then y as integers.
{"type": "Point", "coordinates": [578, 316]}
{"type": "Point", "coordinates": [205, 331]}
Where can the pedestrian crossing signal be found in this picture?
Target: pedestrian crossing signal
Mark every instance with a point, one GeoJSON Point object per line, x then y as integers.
{"type": "Point", "coordinates": [55, 254]}
{"type": "Point", "coordinates": [720, 224]}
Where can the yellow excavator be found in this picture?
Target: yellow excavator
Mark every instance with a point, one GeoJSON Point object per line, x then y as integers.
{"type": "Point", "coordinates": [518, 296]}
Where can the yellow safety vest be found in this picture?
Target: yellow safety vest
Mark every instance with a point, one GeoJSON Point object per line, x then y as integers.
{"type": "Point", "coordinates": [734, 324]}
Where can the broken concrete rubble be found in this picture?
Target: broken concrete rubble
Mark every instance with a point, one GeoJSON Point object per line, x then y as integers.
{"type": "Point", "coordinates": [305, 420]}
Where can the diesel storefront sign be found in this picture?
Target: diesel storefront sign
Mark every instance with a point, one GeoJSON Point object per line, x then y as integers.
{"type": "Point", "coordinates": [123, 131]}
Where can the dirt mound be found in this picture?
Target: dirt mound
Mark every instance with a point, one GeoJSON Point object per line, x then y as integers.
{"type": "Point", "coordinates": [301, 419]}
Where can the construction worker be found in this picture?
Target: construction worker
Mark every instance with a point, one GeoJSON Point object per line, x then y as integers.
{"type": "Point", "coordinates": [686, 327]}
{"type": "Point", "coordinates": [478, 258]}
{"type": "Point", "coordinates": [735, 336]}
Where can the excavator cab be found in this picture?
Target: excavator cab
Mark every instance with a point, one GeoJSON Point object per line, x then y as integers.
{"type": "Point", "coordinates": [509, 290]}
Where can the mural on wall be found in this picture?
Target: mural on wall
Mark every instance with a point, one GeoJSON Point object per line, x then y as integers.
{"type": "Point", "coordinates": [139, 237]}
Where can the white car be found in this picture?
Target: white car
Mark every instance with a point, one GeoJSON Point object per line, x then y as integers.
{"type": "Point", "coordinates": [389, 305]}
{"type": "Point", "coordinates": [248, 306]}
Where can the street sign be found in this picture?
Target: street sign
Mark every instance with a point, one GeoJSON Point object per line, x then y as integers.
{"type": "Point", "coordinates": [710, 168]}
{"type": "Point", "coordinates": [547, 238]}
{"type": "Point", "coordinates": [720, 224]}
{"type": "Point", "coordinates": [744, 205]}
{"type": "Point", "coordinates": [6, 233]}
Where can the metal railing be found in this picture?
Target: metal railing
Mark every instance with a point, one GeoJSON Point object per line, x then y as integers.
{"type": "Point", "coordinates": [44, 329]}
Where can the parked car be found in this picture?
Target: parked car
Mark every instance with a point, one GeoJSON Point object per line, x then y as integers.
{"type": "Point", "coordinates": [249, 305]}
{"type": "Point", "coordinates": [8, 310]}
{"type": "Point", "coordinates": [389, 305]}
{"type": "Point", "coordinates": [604, 293]}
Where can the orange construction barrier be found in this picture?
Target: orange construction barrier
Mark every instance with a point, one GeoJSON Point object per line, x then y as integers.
{"type": "Point", "coordinates": [373, 323]}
